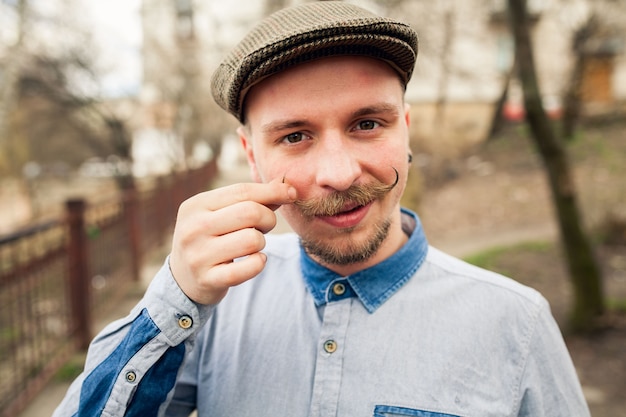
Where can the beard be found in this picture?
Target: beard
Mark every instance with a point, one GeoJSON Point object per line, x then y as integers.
{"type": "Point", "coordinates": [349, 250]}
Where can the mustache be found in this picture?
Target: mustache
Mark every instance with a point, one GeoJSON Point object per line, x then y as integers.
{"type": "Point", "coordinates": [336, 202]}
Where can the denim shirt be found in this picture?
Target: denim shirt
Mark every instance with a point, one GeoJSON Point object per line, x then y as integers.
{"type": "Point", "coordinates": [420, 334]}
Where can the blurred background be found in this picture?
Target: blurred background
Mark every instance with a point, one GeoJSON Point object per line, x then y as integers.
{"type": "Point", "coordinates": [96, 90]}
{"type": "Point", "coordinates": [107, 124]}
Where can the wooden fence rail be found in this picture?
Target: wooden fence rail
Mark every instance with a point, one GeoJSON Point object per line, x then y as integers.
{"type": "Point", "coordinates": [58, 277]}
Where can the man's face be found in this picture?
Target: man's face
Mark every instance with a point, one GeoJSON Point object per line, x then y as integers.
{"type": "Point", "coordinates": [337, 130]}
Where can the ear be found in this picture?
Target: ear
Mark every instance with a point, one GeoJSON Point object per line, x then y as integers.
{"type": "Point", "coordinates": [246, 141]}
{"type": "Point", "coordinates": [407, 121]}
{"type": "Point", "coordinates": [407, 114]}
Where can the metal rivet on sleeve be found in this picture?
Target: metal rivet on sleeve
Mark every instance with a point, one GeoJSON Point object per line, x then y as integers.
{"type": "Point", "coordinates": [185, 322]}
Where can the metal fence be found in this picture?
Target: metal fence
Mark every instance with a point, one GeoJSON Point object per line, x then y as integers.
{"type": "Point", "coordinates": [58, 277]}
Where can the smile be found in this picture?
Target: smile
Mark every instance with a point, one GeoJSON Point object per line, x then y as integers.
{"type": "Point", "coordinates": [347, 218]}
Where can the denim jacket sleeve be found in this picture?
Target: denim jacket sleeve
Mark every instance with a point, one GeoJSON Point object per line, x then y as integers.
{"type": "Point", "coordinates": [132, 365]}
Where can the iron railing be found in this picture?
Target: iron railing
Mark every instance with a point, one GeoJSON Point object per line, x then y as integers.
{"type": "Point", "coordinates": [58, 277]}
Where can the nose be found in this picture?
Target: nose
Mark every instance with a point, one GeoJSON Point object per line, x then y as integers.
{"type": "Point", "coordinates": [337, 163]}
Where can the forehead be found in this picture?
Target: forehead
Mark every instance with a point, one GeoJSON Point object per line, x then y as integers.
{"type": "Point", "coordinates": [336, 76]}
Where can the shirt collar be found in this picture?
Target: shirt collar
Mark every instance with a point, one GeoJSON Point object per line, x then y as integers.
{"type": "Point", "coordinates": [375, 285]}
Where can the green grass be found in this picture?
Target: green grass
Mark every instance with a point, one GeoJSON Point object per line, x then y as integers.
{"type": "Point", "coordinates": [491, 258]}
{"type": "Point", "coordinates": [617, 305]}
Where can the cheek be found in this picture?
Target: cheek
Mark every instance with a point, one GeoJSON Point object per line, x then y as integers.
{"type": "Point", "coordinates": [384, 162]}
{"type": "Point", "coordinates": [268, 168]}
{"type": "Point", "coordinates": [296, 174]}
{"type": "Point", "coordinates": [298, 179]}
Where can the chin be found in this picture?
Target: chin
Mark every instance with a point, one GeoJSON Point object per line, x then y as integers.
{"type": "Point", "coordinates": [346, 247]}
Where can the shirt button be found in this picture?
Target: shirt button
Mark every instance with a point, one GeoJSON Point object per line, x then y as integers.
{"type": "Point", "coordinates": [185, 322]}
{"type": "Point", "coordinates": [330, 346]}
{"type": "Point", "coordinates": [131, 376]}
{"type": "Point", "coordinates": [339, 289]}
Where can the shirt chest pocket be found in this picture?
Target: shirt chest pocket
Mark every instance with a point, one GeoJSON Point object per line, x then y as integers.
{"type": "Point", "coordinates": [392, 411]}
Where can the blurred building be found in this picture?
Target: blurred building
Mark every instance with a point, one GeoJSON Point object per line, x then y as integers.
{"type": "Point", "coordinates": [464, 65]}
{"type": "Point", "coordinates": [183, 41]}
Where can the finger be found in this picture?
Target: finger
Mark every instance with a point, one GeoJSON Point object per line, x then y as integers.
{"type": "Point", "coordinates": [237, 244]}
{"type": "Point", "coordinates": [272, 194]}
{"type": "Point", "coordinates": [213, 285]}
{"type": "Point", "coordinates": [191, 265]}
{"type": "Point", "coordinates": [246, 214]}
{"type": "Point", "coordinates": [236, 273]}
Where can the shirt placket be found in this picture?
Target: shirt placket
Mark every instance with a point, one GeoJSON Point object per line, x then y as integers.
{"type": "Point", "coordinates": [329, 364]}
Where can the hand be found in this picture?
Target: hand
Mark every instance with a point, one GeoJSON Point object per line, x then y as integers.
{"type": "Point", "coordinates": [217, 226]}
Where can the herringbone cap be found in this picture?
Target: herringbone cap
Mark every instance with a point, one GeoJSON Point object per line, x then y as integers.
{"type": "Point", "coordinates": [307, 32]}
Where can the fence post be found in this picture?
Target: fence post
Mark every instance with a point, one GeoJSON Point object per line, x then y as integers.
{"type": "Point", "coordinates": [131, 202]}
{"type": "Point", "coordinates": [161, 203]}
{"type": "Point", "coordinates": [80, 297]}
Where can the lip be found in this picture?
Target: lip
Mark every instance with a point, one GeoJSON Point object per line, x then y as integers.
{"type": "Point", "coordinates": [347, 219]}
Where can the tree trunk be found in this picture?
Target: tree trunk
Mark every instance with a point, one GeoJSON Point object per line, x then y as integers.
{"type": "Point", "coordinates": [572, 102]}
{"type": "Point", "coordinates": [497, 119]}
{"type": "Point", "coordinates": [573, 95]}
{"type": "Point", "coordinates": [584, 271]}
{"type": "Point", "coordinates": [442, 97]}
{"type": "Point", "coordinates": [10, 74]}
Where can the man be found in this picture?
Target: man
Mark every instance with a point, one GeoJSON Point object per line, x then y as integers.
{"type": "Point", "coordinates": [354, 314]}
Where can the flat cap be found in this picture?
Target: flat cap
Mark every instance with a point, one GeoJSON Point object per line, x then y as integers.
{"type": "Point", "coordinates": [306, 32]}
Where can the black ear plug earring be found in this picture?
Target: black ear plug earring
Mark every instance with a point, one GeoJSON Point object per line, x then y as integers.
{"type": "Point", "coordinates": [410, 158]}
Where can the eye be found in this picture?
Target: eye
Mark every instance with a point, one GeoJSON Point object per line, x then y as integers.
{"type": "Point", "coordinates": [294, 137]}
{"type": "Point", "coordinates": [367, 125]}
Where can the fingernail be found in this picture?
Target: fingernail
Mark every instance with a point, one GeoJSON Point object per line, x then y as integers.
{"type": "Point", "coordinates": [292, 193]}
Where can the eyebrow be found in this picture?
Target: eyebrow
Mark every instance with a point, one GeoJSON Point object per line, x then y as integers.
{"type": "Point", "coordinates": [376, 109]}
{"type": "Point", "coordinates": [280, 125]}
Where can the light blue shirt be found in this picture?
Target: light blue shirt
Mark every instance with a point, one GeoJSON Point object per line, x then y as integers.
{"type": "Point", "coordinates": [420, 334]}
